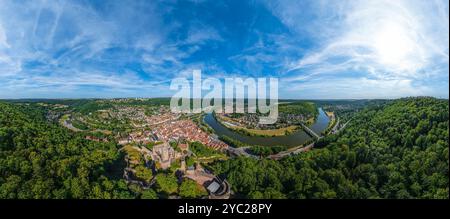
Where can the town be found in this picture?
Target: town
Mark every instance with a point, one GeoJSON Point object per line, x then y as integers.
{"type": "Point", "coordinates": [155, 141]}
{"type": "Point", "coordinates": [164, 147]}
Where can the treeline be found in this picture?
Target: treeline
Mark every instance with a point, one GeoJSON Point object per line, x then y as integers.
{"type": "Point", "coordinates": [42, 160]}
{"type": "Point", "coordinates": [86, 106]}
{"type": "Point", "coordinates": [201, 150]}
{"type": "Point", "coordinates": [395, 150]}
{"type": "Point", "coordinates": [232, 142]}
{"type": "Point", "coordinates": [308, 109]}
{"type": "Point", "coordinates": [256, 149]}
{"type": "Point", "coordinates": [329, 127]}
{"type": "Point", "coordinates": [267, 150]}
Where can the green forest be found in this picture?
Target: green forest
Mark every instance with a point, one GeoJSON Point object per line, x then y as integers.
{"type": "Point", "coordinates": [41, 160]}
{"type": "Point", "coordinates": [308, 109]}
{"type": "Point", "coordinates": [394, 150]}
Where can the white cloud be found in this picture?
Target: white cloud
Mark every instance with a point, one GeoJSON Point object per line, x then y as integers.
{"type": "Point", "coordinates": [391, 41]}
{"type": "Point", "coordinates": [70, 44]}
{"type": "Point", "coordinates": [200, 34]}
{"type": "Point", "coordinates": [60, 40]}
{"type": "Point", "coordinates": [382, 35]}
{"type": "Point", "coordinates": [3, 39]}
{"type": "Point", "coordinates": [354, 88]}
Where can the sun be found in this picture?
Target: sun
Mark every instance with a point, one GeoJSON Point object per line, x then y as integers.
{"type": "Point", "coordinates": [394, 46]}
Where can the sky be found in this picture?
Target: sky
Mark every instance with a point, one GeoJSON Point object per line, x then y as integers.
{"type": "Point", "coordinates": [317, 49]}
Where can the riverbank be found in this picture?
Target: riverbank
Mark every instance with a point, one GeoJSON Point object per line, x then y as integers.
{"type": "Point", "coordinates": [298, 137]}
{"type": "Point", "coordinates": [264, 132]}
{"type": "Point", "coordinates": [332, 124]}
{"type": "Point", "coordinates": [256, 132]}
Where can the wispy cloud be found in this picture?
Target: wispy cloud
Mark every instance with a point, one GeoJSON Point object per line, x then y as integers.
{"type": "Point", "coordinates": [355, 88]}
{"type": "Point", "coordinates": [72, 44]}
{"type": "Point", "coordinates": [132, 48]}
{"type": "Point", "coordinates": [384, 40]}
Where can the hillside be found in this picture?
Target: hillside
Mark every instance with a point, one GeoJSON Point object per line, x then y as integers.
{"type": "Point", "coordinates": [308, 109]}
{"type": "Point", "coordinates": [395, 150]}
{"type": "Point", "coordinates": [42, 160]}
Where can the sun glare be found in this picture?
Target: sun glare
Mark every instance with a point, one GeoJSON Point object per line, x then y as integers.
{"type": "Point", "coordinates": [394, 46]}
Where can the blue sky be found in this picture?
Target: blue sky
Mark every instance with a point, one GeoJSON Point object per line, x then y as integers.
{"type": "Point", "coordinates": [317, 49]}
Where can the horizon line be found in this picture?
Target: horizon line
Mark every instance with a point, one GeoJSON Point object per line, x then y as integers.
{"type": "Point", "coordinates": [164, 97]}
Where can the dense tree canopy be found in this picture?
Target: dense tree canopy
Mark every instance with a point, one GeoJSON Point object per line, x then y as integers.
{"type": "Point", "coordinates": [191, 189]}
{"type": "Point", "coordinates": [391, 149]}
{"type": "Point", "coordinates": [166, 183]}
{"type": "Point", "coordinates": [149, 194]}
{"type": "Point", "coordinates": [39, 159]}
{"type": "Point", "coordinates": [396, 150]}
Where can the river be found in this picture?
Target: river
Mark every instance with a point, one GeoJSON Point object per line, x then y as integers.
{"type": "Point", "coordinates": [292, 140]}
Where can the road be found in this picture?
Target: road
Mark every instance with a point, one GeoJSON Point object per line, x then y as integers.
{"type": "Point", "coordinates": [291, 151]}
{"type": "Point", "coordinates": [241, 152]}
{"type": "Point", "coordinates": [335, 127]}
{"type": "Point", "coordinates": [69, 125]}
{"type": "Point", "coordinates": [336, 130]}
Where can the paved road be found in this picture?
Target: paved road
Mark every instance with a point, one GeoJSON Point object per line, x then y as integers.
{"type": "Point", "coordinates": [70, 126]}
{"type": "Point", "coordinates": [300, 149]}
{"type": "Point", "coordinates": [340, 129]}
{"type": "Point", "coordinates": [335, 127]}
{"type": "Point", "coordinates": [291, 151]}
{"type": "Point", "coordinates": [241, 151]}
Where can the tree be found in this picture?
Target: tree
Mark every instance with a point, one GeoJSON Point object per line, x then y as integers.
{"type": "Point", "coordinates": [392, 149]}
{"type": "Point", "coordinates": [41, 159]}
{"type": "Point", "coordinates": [190, 189]}
{"type": "Point", "coordinates": [166, 183]}
{"type": "Point", "coordinates": [189, 161]}
{"type": "Point", "coordinates": [144, 173]}
{"type": "Point", "coordinates": [149, 194]}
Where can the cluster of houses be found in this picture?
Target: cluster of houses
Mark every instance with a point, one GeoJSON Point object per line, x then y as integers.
{"type": "Point", "coordinates": [251, 120]}
{"type": "Point", "coordinates": [96, 138]}
{"type": "Point", "coordinates": [173, 131]}
{"type": "Point", "coordinates": [163, 127]}
{"type": "Point", "coordinates": [159, 119]}
{"type": "Point", "coordinates": [140, 136]}
{"type": "Point", "coordinates": [290, 119]}
{"type": "Point", "coordinates": [188, 130]}
{"type": "Point", "coordinates": [128, 112]}
{"type": "Point", "coordinates": [159, 125]}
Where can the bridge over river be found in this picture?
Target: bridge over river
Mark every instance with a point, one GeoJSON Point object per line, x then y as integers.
{"type": "Point", "coordinates": [295, 139]}
{"type": "Point", "coordinates": [310, 131]}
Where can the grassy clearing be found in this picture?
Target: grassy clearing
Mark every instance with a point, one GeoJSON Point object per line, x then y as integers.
{"type": "Point", "coordinates": [133, 154]}
{"type": "Point", "coordinates": [272, 132]}
{"type": "Point", "coordinates": [257, 132]}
